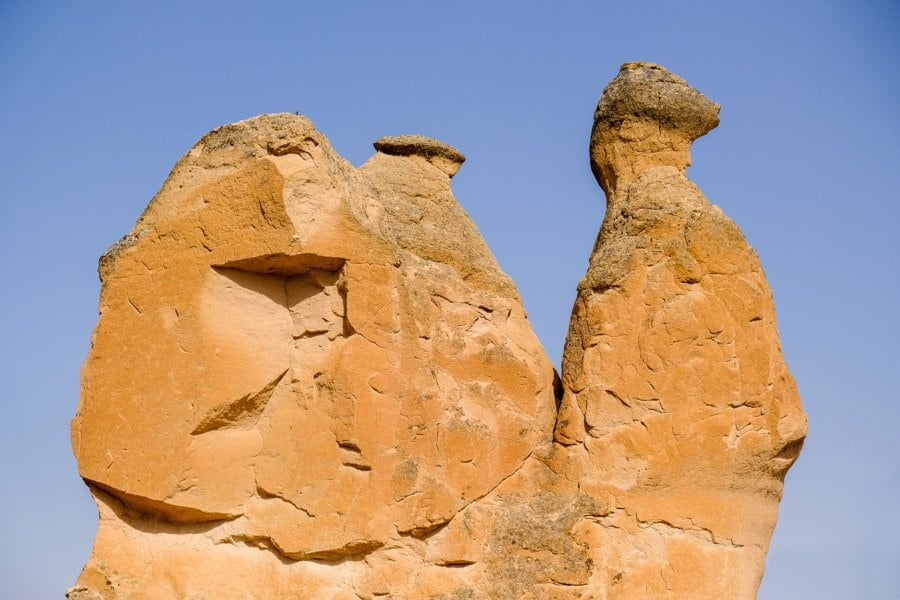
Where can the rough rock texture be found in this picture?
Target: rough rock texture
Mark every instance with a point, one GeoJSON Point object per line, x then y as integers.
{"type": "Point", "coordinates": [314, 381]}
{"type": "Point", "coordinates": [676, 392]}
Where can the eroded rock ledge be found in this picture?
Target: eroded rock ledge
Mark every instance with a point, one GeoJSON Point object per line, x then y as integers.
{"type": "Point", "coordinates": [310, 380]}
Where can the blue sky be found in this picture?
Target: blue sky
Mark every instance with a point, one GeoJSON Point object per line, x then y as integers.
{"type": "Point", "coordinates": [98, 101]}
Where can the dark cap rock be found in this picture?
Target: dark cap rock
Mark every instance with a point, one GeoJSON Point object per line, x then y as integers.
{"type": "Point", "coordinates": [444, 156]}
{"type": "Point", "coordinates": [647, 91]}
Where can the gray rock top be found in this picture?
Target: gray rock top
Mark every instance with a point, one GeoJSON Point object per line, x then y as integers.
{"type": "Point", "coordinates": [647, 91]}
{"type": "Point", "coordinates": [419, 145]}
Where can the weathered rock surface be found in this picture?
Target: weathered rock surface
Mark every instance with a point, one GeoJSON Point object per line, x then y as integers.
{"type": "Point", "coordinates": [314, 381]}
{"type": "Point", "coordinates": [676, 392]}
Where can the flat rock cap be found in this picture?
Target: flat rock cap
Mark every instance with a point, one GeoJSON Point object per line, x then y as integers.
{"type": "Point", "coordinates": [648, 91]}
{"type": "Point", "coordinates": [418, 145]}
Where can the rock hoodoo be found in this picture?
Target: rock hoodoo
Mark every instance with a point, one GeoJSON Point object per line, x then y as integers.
{"type": "Point", "coordinates": [676, 393]}
{"type": "Point", "coordinates": [310, 380]}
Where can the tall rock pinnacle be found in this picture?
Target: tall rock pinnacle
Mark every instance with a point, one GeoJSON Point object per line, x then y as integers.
{"type": "Point", "coordinates": [310, 380]}
{"type": "Point", "coordinates": [674, 382]}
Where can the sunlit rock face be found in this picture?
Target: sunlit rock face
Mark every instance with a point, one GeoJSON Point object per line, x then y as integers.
{"type": "Point", "coordinates": [302, 357]}
{"type": "Point", "coordinates": [675, 385]}
{"type": "Point", "coordinates": [310, 380]}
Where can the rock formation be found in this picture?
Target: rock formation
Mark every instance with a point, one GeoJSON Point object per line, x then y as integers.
{"type": "Point", "coordinates": [314, 381]}
{"type": "Point", "coordinates": [675, 389]}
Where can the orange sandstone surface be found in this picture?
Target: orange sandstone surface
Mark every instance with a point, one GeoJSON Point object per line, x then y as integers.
{"type": "Point", "coordinates": [310, 380]}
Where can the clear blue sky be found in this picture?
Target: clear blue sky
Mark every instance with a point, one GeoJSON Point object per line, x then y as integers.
{"type": "Point", "coordinates": [98, 101]}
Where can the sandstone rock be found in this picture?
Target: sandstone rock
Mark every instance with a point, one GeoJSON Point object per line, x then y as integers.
{"type": "Point", "coordinates": [314, 381]}
{"type": "Point", "coordinates": [303, 357]}
{"type": "Point", "coordinates": [676, 391]}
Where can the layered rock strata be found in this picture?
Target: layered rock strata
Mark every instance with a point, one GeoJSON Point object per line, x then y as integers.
{"type": "Point", "coordinates": [310, 380]}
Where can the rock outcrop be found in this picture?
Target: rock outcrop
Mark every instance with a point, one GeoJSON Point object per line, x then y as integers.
{"type": "Point", "coordinates": [314, 381]}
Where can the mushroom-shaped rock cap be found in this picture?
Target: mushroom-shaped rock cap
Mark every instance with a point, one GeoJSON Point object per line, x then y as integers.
{"type": "Point", "coordinates": [647, 91]}
{"type": "Point", "coordinates": [647, 117]}
{"type": "Point", "coordinates": [443, 156]}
